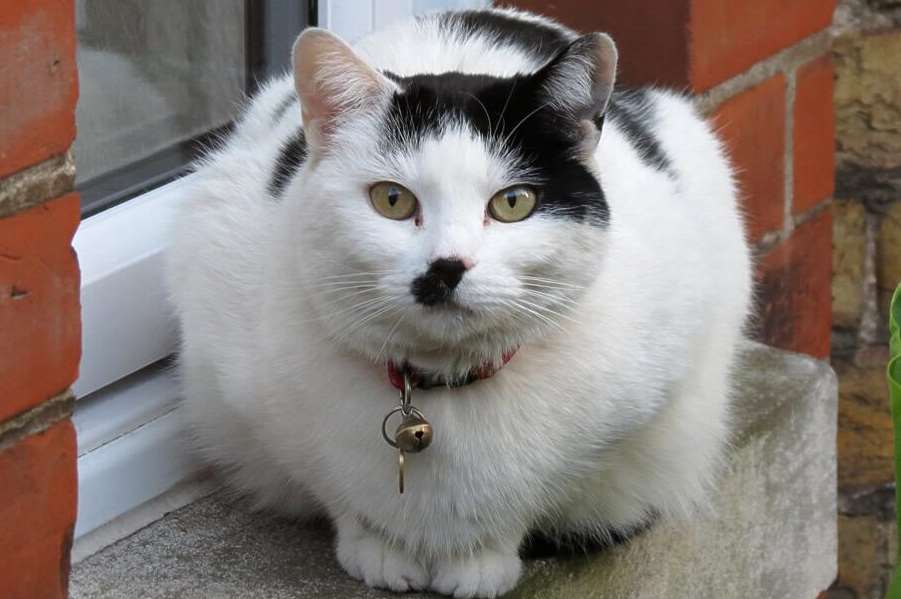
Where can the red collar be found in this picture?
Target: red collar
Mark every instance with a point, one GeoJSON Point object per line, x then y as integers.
{"type": "Point", "coordinates": [422, 379]}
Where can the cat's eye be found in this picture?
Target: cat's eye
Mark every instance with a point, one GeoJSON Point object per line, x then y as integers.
{"type": "Point", "coordinates": [392, 200]}
{"type": "Point", "coordinates": [513, 204]}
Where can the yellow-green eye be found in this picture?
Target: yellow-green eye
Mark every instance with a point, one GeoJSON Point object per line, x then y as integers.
{"type": "Point", "coordinates": [513, 204]}
{"type": "Point", "coordinates": [392, 200]}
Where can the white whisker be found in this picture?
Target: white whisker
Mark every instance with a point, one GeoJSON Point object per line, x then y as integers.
{"type": "Point", "coordinates": [391, 332]}
{"type": "Point", "coordinates": [552, 292]}
{"type": "Point", "coordinates": [487, 116]}
{"type": "Point", "coordinates": [504, 109]}
{"type": "Point", "coordinates": [358, 306]}
{"type": "Point", "coordinates": [556, 300]}
{"type": "Point", "coordinates": [330, 289]}
{"type": "Point", "coordinates": [542, 317]}
{"type": "Point", "coordinates": [546, 310]}
{"type": "Point", "coordinates": [357, 274]}
{"type": "Point", "coordinates": [550, 281]}
{"type": "Point", "coordinates": [375, 313]}
{"type": "Point", "coordinates": [523, 120]}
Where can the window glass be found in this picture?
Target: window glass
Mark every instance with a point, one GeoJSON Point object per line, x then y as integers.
{"type": "Point", "coordinates": [157, 79]}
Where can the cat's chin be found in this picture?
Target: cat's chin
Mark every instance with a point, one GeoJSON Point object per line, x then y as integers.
{"type": "Point", "coordinates": [452, 362]}
{"type": "Point", "coordinates": [451, 358]}
{"type": "Point", "coordinates": [450, 339]}
{"type": "Point", "coordinates": [455, 335]}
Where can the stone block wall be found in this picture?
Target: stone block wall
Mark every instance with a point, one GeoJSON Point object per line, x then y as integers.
{"type": "Point", "coordinates": [867, 266]}
{"type": "Point", "coordinates": [40, 335]}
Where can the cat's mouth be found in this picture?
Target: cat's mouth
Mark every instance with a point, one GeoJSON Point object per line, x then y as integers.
{"type": "Point", "coordinates": [449, 306]}
{"type": "Point", "coordinates": [446, 324]}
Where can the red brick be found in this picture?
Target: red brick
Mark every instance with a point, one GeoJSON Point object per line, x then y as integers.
{"type": "Point", "coordinates": [793, 283]}
{"type": "Point", "coordinates": [728, 37]}
{"type": "Point", "coordinates": [814, 134]}
{"type": "Point", "coordinates": [753, 126]}
{"type": "Point", "coordinates": [39, 305]}
{"type": "Point", "coordinates": [38, 498]}
{"type": "Point", "coordinates": [631, 24]}
{"type": "Point", "coordinates": [38, 81]}
{"type": "Point", "coordinates": [696, 43]}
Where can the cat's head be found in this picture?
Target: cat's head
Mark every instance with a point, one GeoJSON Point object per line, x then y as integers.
{"type": "Point", "coordinates": [449, 215]}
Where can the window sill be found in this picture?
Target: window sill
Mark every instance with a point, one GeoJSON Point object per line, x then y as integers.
{"type": "Point", "coordinates": [781, 483]}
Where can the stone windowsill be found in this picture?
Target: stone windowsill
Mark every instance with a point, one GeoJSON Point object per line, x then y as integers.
{"type": "Point", "coordinates": [772, 532]}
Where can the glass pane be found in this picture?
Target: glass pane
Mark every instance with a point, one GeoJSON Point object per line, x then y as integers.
{"type": "Point", "coordinates": [154, 75]}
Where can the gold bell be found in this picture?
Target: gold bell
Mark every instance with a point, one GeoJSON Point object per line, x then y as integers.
{"type": "Point", "coordinates": [413, 434]}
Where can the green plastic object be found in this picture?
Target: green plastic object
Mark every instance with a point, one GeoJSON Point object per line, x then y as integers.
{"type": "Point", "coordinates": [894, 385]}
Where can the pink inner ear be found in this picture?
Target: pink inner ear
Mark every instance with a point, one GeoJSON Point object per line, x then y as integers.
{"type": "Point", "coordinates": [317, 113]}
{"type": "Point", "coordinates": [331, 79]}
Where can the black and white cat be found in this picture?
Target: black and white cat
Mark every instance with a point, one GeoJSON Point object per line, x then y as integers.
{"type": "Point", "coordinates": [469, 201]}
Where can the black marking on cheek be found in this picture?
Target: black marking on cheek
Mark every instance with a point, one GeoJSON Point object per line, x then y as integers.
{"type": "Point", "coordinates": [291, 157]}
{"type": "Point", "coordinates": [633, 113]}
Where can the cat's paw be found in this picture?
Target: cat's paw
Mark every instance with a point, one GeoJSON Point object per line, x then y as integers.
{"type": "Point", "coordinates": [367, 557]}
{"type": "Point", "coordinates": [486, 574]}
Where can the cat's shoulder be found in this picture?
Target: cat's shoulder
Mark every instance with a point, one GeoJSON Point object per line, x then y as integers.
{"type": "Point", "coordinates": [660, 123]}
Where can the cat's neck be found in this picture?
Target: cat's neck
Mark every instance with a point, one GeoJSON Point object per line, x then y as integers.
{"type": "Point", "coordinates": [448, 364]}
{"type": "Point", "coordinates": [401, 373]}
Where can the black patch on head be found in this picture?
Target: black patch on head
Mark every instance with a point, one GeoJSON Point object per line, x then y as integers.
{"type": "Point", "coordinates": [290, 158]}
{"type": "Point", "coordinates": [283, 106]}
{"type": "Point", "coordinates": [633, 113]}
{"type": "Point", "coordinates": [538, 39]}
{"type": "Point", "coordinates": [510, 114]}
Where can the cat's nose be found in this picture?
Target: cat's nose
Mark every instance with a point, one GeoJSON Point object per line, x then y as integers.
{"type": "Point", "coordinates": [439, 281]}
{"type": "Point", "coordinates": [447, 271]}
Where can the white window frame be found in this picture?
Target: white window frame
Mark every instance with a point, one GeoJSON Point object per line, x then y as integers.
{"type": "Point", "coordinates": [132, 463]}
{"type": "Point", "coordinates": [128, 436]}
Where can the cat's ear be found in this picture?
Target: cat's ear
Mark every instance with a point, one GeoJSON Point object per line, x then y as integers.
{"type": "Point", "coordinates": [332, 82]}
{"type": "Point", "coordinates": [580, 79]}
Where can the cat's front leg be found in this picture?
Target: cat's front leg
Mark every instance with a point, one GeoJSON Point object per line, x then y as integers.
{"type": "Point", "coordinates": [368, 557]}
{"type": "Point", "coordinates": [488, 572]}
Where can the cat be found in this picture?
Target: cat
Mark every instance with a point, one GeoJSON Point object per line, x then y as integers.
{"type": "Point", "coordinates": [558, 267]}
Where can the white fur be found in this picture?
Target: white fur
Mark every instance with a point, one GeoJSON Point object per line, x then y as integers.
{"type": "Point", "coordinates": [616, 405]}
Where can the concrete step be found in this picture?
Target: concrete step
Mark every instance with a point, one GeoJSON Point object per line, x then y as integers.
{"type": "Point", "coordinates": [771, 533]}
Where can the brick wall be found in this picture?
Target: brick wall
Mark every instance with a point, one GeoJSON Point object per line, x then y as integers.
{"type": "Point", "coordinates": [39, 303]}
{"type": "Point", "coordinates": [867, 266]}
